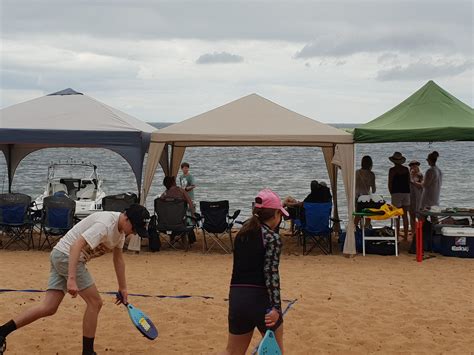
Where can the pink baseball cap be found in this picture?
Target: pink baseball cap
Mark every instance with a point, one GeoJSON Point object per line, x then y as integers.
{"type": "Point", "coordinates": [270, 200]}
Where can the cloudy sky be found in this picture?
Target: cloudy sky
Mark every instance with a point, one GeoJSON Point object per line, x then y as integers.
{"type": "Point", "coordinates": [165, 61]}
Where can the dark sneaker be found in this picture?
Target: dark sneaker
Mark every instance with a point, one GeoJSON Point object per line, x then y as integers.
{"type": "Point", "coordinates": [3, 344]}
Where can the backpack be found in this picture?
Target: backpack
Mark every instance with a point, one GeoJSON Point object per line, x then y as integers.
{"type": "Point", "coordinates": [154, 242]}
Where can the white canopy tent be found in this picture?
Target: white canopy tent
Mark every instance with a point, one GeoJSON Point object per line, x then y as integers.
{"type": "Point", "coordinates": [256, 121]}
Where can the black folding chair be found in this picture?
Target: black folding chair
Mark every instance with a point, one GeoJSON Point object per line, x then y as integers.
{"type": "Point", "coordinates": [217, 223]}
{"type": "Point", "coordinates": [119, 202]}
{"type": "Point", "coordinates": [171, 222]}
{"type": "Point", "coordinates": [57, 219]}
{"type": "Point", "coordinates": [15, 219]}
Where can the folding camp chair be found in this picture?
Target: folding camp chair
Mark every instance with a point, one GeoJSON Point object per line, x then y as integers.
{"type": "Point", "coordinates": [57, 218]}
{"type": "Point", "coordinates": [216, 223]}
{"type": "Point", "coordinates": [120, 202]}
{"type": "Point", "coordinates": [15, 219]}
{"type": "Point", "coordinates": [317, 227]}
{"type": "Point", "coordinates": [171, 222]}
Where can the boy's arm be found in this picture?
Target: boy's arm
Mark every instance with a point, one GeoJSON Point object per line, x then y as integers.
{"type": "Point", "coordinates": [192, 184]}
{"type": "Point", "coordinates": [119, 265]}
{"type": "Point", "coordinates": [74, 255]}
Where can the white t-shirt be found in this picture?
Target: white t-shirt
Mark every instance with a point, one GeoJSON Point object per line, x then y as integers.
{"type": "Point", "coordinates": [100, 230]}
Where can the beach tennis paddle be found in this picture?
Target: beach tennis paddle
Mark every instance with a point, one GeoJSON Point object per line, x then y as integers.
{"type": "Point", "coordinates": [268, 345]}
{"type": "Point", "coordinates": [140, 320]}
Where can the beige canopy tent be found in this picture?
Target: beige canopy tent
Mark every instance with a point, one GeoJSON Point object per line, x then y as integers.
{"type": "Point", "coordinates": [255, 121]}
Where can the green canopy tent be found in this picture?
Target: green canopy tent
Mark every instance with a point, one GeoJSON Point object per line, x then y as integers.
{"type": "Point", "coordinates": [429, 115]}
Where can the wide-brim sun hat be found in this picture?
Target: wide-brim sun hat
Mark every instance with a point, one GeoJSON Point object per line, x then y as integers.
{"type": "Point", "coordinates": [270, 199]}
{"type": "Point", "coordinates": [397, 158]}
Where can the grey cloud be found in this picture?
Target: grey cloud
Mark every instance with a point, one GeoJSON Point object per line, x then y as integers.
{"type": "Point", "coordinates": [266, 20]}
{"type": "Point", "coordinates": [222, 57]}
{"type": "Point", "coordinates": [387, 57]}
{"type": "Point", "coordinates": [423, 70]}
{"type": "Point", "coordinates": [344, 45]}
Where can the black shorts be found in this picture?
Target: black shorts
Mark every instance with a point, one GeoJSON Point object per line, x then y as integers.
{"type": "Point", "coordinates": [247, 309]}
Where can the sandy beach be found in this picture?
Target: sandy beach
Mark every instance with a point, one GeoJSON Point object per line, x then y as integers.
{"type": "Point", "coordinates": [373, 304]}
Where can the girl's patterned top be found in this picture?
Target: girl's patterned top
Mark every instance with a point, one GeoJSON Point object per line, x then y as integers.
{"type": "Point", "coordinates": [273, 245]}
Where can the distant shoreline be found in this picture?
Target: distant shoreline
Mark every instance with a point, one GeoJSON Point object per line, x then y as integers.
{"type": "Point", "coordinates": [160, 125]}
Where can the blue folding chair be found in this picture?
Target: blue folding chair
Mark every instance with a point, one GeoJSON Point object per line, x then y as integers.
{"type": "Point", "coordinates": [57, 218]}
{"type": "Point", "coordinates": [316, 227]}
{"type": "Point", "coordinates": [15, 219]}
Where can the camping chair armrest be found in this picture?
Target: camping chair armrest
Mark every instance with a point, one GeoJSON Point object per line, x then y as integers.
{"type": "Point", "coordinates": [231, 219]}
{"type": "Point", "coordinates": [234, 216]}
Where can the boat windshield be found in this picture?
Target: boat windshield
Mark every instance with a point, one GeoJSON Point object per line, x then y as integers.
{"type": "Point", "coordinates": [76, 171]}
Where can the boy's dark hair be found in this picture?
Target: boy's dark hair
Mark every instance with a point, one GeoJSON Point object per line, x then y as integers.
{"type": "Point", "coordinates": [433, 156]}
{"type": "Point", "coordinates": [366, 162]}
{"type": "Point", "coordinates": [169, 181]}
{"type": "Point", "coordinates": [184, 164]}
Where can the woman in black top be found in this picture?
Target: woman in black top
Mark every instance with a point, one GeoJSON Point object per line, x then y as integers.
{"type": "Point", "coordinates": [254, 298]}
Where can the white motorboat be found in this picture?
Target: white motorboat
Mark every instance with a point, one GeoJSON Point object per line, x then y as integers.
{"type": "Point", "coordinates": [79, 181]}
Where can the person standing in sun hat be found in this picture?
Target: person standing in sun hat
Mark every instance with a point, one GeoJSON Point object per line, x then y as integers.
{"type": "Point", "coordinates": [399, 187]}
{"type": "Point", "coordinates": [254, 297]}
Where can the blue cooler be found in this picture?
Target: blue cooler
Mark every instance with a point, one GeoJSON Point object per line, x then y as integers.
{"type": "Point", "coordinates": [457, 241]}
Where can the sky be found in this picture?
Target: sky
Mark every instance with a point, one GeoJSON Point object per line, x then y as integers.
{"type": "Point", "coordinates": [166, 61]}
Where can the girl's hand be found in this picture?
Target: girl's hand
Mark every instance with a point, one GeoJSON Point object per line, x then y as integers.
{"type": "Point", "coordinates": [272, 317]}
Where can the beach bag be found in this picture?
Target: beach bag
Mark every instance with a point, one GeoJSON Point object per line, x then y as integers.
{"type": "Point", "coordinates": [369, 201]}
{"type": "Point", "coordinates": [154, 242]}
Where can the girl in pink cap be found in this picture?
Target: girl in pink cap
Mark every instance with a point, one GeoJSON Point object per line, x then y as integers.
{"type": "Point", "coordinates": [254, 298]}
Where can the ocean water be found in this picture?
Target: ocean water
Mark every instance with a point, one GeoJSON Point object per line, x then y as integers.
{"type": "Point", "coordinates": [238, 173]}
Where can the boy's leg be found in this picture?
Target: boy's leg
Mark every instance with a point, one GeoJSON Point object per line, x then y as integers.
{"type": "Point", "coordinates": [89, 325]}
{"type": "Point", "coordinates": [48, 307]}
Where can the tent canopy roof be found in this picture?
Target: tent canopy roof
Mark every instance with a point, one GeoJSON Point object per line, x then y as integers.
{"type": "Point", "coordinates": [430, 114]}
{"type": "Point", "coordinates": [69, 110]}
{"type": "Point", "coordinates": [69, 118]}
{"type": "Point", "coordinates": [250, 120]}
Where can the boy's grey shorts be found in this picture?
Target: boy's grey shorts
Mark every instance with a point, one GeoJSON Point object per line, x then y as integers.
{"type": "Point", "coordinates": [59, 273]}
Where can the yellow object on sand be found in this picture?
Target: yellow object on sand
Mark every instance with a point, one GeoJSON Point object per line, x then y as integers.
{"type": "Point", "coordinates": [389, 211]}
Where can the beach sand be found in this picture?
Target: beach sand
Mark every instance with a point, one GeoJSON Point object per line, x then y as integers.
{"type": "Point", "coordinates": [370, 304]}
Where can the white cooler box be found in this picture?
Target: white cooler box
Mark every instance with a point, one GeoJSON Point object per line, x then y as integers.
{"type": "Point", "coordinates": [457, 241]}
